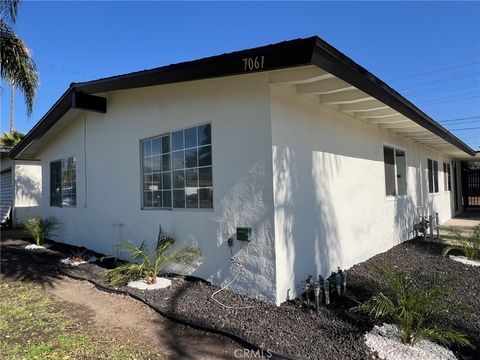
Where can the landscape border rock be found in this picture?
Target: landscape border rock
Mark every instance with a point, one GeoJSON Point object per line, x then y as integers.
{"type": "Point", "coordinates": [386, 341]}
{"type": "Point", "coordinates": [142, 284]}
{"type": "Point", "coordinates": [465, 260]}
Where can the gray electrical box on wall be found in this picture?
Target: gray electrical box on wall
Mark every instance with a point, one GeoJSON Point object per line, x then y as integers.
{"type": "Point", "coordinates": [244, 233]}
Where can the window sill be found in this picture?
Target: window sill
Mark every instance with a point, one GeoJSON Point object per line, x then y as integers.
{"type": "Point", "coordinates": [178, 209]}
{"type": "Point", "coordinates": [395, 198]}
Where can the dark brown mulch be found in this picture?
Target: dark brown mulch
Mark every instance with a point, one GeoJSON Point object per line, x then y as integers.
{"type": "Point", "coordinates": [336, 332]}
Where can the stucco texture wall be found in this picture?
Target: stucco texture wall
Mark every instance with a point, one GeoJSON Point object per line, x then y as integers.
{"type": "Point", "coordinates": [28, 191]}
{"type": "Point", "coordinates": [329, 190]}
{"type": "Point", "coordinates": [107, 150]}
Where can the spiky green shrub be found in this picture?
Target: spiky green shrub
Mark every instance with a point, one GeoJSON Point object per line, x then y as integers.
{"type": "Point", "coordinates": [147, 264]}
{"type": "Point", "coordinates": [419, 313]}
{"type": "Point", "coordinates": [468, 245]}
{"type": "Point", "coordinates": [41, 229]}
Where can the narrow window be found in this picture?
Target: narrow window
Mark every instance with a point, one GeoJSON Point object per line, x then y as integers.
{"type": "Point", "coordinates": [63, 183]}
{"type": "Point", "coordinates": [432, 176]}
{"type": "Point", "coordinates": [401, 166]}
{"type": "Point", "coordinates": [177, 169]}
{"type": "Point", "coordinates": [56, 183]}
{"type": "Point", "coordinates": [395, 171]}
{"type": "Point", "coordinates": [389, 161]}
{"type": "Point", "coordinates": [447, 177]}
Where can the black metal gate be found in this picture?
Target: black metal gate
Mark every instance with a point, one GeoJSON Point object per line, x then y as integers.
{"type": "Point", "coordinates": [471, 187]}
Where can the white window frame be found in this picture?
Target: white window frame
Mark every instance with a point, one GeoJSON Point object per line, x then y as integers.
{"type": "Point", "coordinates": [395, 197]}
{"type": "Point", "coordinates": [169, 133]}
{"type": "Point", "coordinates": [62, 164]}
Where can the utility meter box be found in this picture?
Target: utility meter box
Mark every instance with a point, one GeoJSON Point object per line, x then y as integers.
{"type": "Point", "coordinates": [244, 233]}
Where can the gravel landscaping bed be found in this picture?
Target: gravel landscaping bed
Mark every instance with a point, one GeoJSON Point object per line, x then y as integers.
{"type": "Point", "coordinates": [335, 332]}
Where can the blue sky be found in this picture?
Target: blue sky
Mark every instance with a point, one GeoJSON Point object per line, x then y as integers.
{"type": "Point", "coordinates": [429, 51]}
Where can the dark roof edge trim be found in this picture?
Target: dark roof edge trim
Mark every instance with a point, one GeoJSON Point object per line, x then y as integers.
{"type": "Point", "coordinates": [330, 59]}
{"type": "Point", "coordinates": [293, 53]}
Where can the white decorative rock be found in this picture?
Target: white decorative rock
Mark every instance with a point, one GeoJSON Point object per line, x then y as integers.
{"type": "Point", "coordinates": [465, 260]}
{"type": "Point", "coordinates": [36, 247]}
{"type": "Point", "coordinates": [69, 261]}
{"type": "Point", "coordinates": [386, 341]}
{"type": "Point", "coordinates": [142, 284]}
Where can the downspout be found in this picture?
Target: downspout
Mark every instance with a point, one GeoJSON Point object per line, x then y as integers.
{"type": "Point", "coordinates": [422, 204]}
{"type": "Point", "coordinates": [85, 159]}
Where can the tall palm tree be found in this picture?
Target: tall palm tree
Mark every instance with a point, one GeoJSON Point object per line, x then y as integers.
{"type": "Point", "coordinates": [16, 63]}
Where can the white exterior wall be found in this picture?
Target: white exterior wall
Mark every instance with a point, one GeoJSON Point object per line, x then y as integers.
{"type": "Point", "coordinates": [28, 191]}
{"type": "Point", "coordinates": [108, 165]}
{"type": "Point", "coordinates": [329, 190]}
{"type": "Point", "coordinates": [26, 188]}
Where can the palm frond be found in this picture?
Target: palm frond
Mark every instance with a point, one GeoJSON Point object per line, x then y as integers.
{"type": "Point", "coordinates": [41, 229]}
{"type": "Point", "coordinates": [448, 249]}
{"type": "Point", "coordinates": [445, 337]}
{"type": "Point", "coordinates": [377, 306]}
{"type": "Point", "coordinates": [147, 264]}
{"type": "Point", "coordinates": [8, 10]}
{"type": "Point", "coordinates": [17, 65]}
{"type": "Point", "coordinates": [10, 139]}
{"type": "Point", "coordinates": [468, 245]}
{"type": "Point", "coordinates": [123, 273]}
{"type": "Point", "coordinates": [419, 313]}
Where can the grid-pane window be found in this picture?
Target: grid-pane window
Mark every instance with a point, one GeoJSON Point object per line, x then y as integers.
{"type": "Point", "coordinates": [63, 183]}
{"type": "Point", "coordinates": [157, 172]}
{"type": "Point", "coordinates": [432, 176]}
{"type": "Point", "coordinates": [182, 176]}
{"type": "Point", "coordinates": [447, 180]}
{"type": "Point", "coordinates": [69, 182]}
{"type": "Point", "coordinates": [395, 171]}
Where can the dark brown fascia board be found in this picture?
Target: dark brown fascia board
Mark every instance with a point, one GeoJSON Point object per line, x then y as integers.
{"type": "Point", "coordinates": [89, 102]}
{"type": "Point", "coordinates": [293, 53]}
{"type": "Point", "coordinates": [70, 99]}
{"type": "Point", "coordinates": [276, 56]}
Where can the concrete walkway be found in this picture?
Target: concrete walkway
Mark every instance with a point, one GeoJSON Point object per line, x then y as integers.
{"type": "Point", "coordinates": [465, 223]}
{"type": "Point", "coordinates": [469, 219]}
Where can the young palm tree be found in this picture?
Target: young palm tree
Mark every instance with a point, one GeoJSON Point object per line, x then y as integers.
{"type": "Point", "coordinates": [16, 64]}
{"type": "Point", "coordinates": [418, 313]}
{"type": "Point", "coordinates": [10, 139]}
{"type": "Point", "coordinates": [146, 264]}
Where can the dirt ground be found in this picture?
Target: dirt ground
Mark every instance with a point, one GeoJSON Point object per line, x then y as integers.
{"type": "Point", "coordinates": [123, 315]}
{"type": "Point", "coordinates": [120, 315]}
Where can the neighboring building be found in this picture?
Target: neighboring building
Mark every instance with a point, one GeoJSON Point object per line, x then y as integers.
{"type": "Point", "coordinates": [20, 189]}
{"type": "Point", "coordinates": [326, 163]}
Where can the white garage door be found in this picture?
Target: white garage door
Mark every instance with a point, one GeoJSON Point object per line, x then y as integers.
{"type": "Point", "coordinates": [5, 194]}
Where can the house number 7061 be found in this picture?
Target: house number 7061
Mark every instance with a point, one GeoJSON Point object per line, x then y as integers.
{"type": "Point", "coordinates": [253, 63]}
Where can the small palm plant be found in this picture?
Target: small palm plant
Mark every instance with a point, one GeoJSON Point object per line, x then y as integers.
{"type": "Point", "coordinates": [10, 139]}
{"type": "Point", "coordinates": [418, 313]}
{"type": "Point", "coordinates": [41, 229]}
{"type": "Point", "coordinates": [147, 265]}
{"type": "Point", "coordinates": [468, 245]}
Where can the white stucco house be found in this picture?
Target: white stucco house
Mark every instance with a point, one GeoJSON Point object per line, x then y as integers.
{"type": "Point", "coordinates": [20, 189]}
{"type": "Point", "coordinates": [325, 163]}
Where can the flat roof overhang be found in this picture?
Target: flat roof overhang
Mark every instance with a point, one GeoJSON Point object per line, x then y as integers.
{"type": "Point", "coordinates": [306, 63]}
